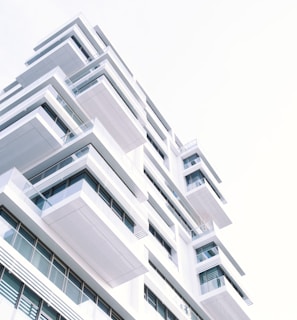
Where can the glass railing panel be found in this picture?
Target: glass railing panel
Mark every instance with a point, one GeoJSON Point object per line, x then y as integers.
{"type": "Point", "coordinates": [41, 262]}
{"type": "Point", "coordinates": [56, 276]}
{"type": "Point", "coordinates": [196, 183]}
{"type": "Point", "coordinates": [212, 284]}
{"type": "Point", "coordinates": [207, 254]}
{"type": "Point", "coordinates": [83, 151]}
{"type": "Point", "coordinates": [191, 163]}
{"type": "Point", "coordinates": [75, 133]}
{"type": "Point", "coordinates": [68, 109]}
{"type": "Point", "coordinates": [46, 203]}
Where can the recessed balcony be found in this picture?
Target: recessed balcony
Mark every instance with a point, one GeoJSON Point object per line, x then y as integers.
{"type": "Point", "coordinates": [86, 223]}
{"type": "Point", "coordinates": [100, 99]}
{"type": "Point", "coordinates": [28, 140]}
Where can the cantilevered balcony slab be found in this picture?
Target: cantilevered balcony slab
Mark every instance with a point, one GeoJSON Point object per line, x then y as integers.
{"type": "Point", "coordinates": [101, 100]}
{"type": "Point", "coordinates": [207, 204]}
{"type": "Point", "coordinates": [66, 55]}
{"type": "Point", "coordinates": [28, 140]}
{"type": "Point", "coordinates": [224, 303]}
{"type": "Point", "coordinates": [86, 223]}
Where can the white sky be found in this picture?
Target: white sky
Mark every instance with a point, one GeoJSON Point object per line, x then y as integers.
{"type": "Point", "coordinates": [226, 73]}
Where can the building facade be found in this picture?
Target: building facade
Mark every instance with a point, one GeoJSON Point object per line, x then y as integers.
{"type": "Point", "coordinates": [104, 213]}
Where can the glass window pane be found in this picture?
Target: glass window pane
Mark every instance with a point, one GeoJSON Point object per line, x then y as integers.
{"type": "Point", "coordinates": [29, 303]}
{"type": "Point", "coordinates": [10, 287]}
{"type": "Point", "coordinates": [57, 274]}
{"type": "Point", "coordinates": [60, 187]}
{"type": "Point", "coordinates": [118, 210]}
{"type": "Point", "coordinates": [152, 299]}
{"type": "Point", "coordinates": [48, 313]}
{"type": "Point", "coordinates": [105, 195]}
{"type": "Point", "coordinates": [161, 309]}
{"type": "Point", "coordinates": [129, 223]}
{"type": "Point", "coordinates": [41, 259]}
{"type": "Point", "coordinates": [7, 226]}
{"type": "Point", "coordinates": [73, 288]}
{"type": "Point", "coordinates": [103, 306]}
{"type": "Point", "coordinates": [24, 243]}
{"type": "Point", "coordinates": [88, 294]}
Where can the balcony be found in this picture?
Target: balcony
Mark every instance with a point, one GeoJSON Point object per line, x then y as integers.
{"type": "Point", "coordinates": [28, 140]}
{"type": "Point", "coordinates": [222, 301]}
{"type": "Point", "coordinates": [207, 254]}
{"type": "Point", "coordinates": [30, 260]}
{"type": "Point", "coordinates": [11, 242]}
{"type": "Point", "coordinates": [206, 201]}
{"type": "Point", "coordinates": [66, 55]}
{"type": "Point", "coordinates": [85, 222]}
{"type": "Point", "coordinates": [100, 97]}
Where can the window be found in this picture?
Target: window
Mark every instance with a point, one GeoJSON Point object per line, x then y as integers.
{"type": "Point", "coordinates": [156, 147]}
{"type": "Point", "coordinates": [81, 48]}
{"type": "Point", "coordinates": [10, 287]}
{"type": "Point", "coordinates": [195, 179]}
{"type": "Point", "coordinates": [157, 235]}
{"type": "Point", "coordinates": [29, 303]}
{"type": "Point", "coordinates": [24, 243]}
{"type": "Point", "coordinates": [73, 288]}
{"type": "Point", "coordinates": [191, 160]}
{"type": "Point", "coordinates": [55, 118]}
{"type": "Point", "coordinates": [8, 226]}
{"type": "Point", "coordinates": [176, 213]}
{"type": "Point", "coordinates": [185, 306]}
{"type": "Point", "coordinates": [24, 299]}
{"type": "Point", "coordinates": [207, 251]}
{"type": "Point", "coordinates": [41, 258]}
{"type": "Point", "coordinates": [211, 279]}
{"type": "Point", "coordinates": [57, 275]}
{"type": "Point", "coordinates": [157, 304]}
{"type": "Point", "coordinates": [48, 313]}
{"type": "Point", "coordinates": [40, 200]}
{"type": "Point", "coordinates": [47, 263]}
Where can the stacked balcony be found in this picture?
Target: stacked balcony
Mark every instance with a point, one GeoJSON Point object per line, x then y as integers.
{"type": "Point", "coordinates": [221, 294]}
{"type": "Point", "coordinates": [201, 190]}
{"type": "Point", "coordinates": [84, 221]}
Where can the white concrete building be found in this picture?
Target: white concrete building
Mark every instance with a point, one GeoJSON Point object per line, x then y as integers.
{"type": "Point", "coordinates": [104, 213]}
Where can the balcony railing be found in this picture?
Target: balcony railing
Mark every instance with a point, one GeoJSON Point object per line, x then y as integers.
{"type": "Point", "coordinates": [212, 284]}
{"type": "Point", "coordinates": [79, 130]}
{"type": "Point", "coordinates": [207, 254]}
{"type": "Point", "coordinates": [85, 299]}
{"type": "Point", "coordinates": [196, 183]}
{"type": "Point", "coordinates": [83, 151]}
{"type": "Point", "coordinates": [191, 163]}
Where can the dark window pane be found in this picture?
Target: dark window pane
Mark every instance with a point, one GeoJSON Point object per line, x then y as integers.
{"type": "Point", "coordinates": [29, 303]}
{"type": "Point", "coordinates": [105, 195]}
{"type": "Point", "coordinates": [10, 287]}
{"type": "Point", "coordinates": [104, 306]}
